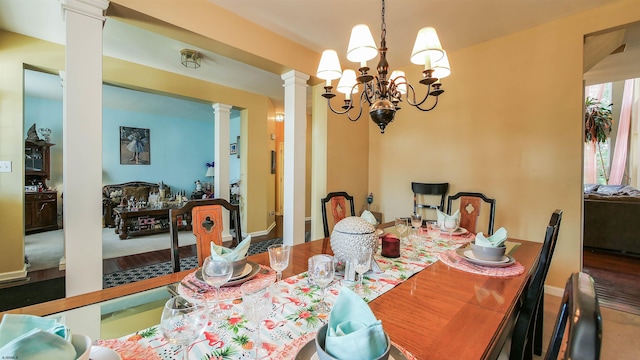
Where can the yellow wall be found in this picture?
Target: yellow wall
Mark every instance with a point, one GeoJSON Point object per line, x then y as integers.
{"type": "Point", "coordinates": [509, 125]}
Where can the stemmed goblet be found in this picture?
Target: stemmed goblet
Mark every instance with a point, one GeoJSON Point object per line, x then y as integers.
{"type": "Point", "coordinates": [256, 303]}
{"type": "Point", "coordinates": [216, 271]}
{"type": "Point", "coordinates": [279, 259]}
{"type": "Point", "coordinates": [450, 225]}
{"type": "Point", "coordinates": [322, 270]}
{"type": "Point", "coordinates": [362, 265]}
{"type": "Point", "coordinates": [401, 226]}
{"type": "Point", "coordinates": [183, 321]}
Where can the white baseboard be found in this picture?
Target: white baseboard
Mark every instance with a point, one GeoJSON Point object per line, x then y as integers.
{"type": "Point", "coordinates": [554, 291]}
{"type": "Point", "coordinates": [14, 275]}
{"type": "Point", "coordinates": [264, 232]}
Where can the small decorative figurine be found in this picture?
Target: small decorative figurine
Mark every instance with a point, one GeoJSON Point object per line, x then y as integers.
{"type": "Point", "coordinates": [369, 200]}
{"type": "Point", "coordinates": [198, 186]}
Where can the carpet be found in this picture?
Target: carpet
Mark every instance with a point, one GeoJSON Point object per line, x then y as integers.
{"type": "Point", "coordinates": [151, 271]}
{"type": "Point", "coordinates": [44, 250]}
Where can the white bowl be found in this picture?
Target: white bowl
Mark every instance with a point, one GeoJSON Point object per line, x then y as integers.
{"type": "Point", "coordinates": [488, 253]}
{"type": "Point", "coordinates": [82, 344]}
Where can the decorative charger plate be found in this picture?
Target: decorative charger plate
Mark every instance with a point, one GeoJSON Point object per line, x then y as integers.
{"type": "Point", "coordinates": [308, 352]}
{"type": "Point", "coordinates": [467, 254]}
{"type": "Point", "coordinates": [458, 231]}
{"type": "Point", "coordinates": [255, 267]}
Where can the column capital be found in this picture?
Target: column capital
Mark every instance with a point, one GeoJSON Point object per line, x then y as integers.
{"type": "Point", "coordinates": [294, 77]}
{"type": "Point", "coordinates": [221, 107]}
{"type": "Point", "coordinates": [90, 8]}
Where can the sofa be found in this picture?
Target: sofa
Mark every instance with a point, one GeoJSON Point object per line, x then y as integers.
{"type": "Point", "coordinates": [611, 218]}
{"type": "Point", "coordinates": [113, 195]}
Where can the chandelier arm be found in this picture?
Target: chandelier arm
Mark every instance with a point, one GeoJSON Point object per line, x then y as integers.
{"type": "Point", "coordinates": [346, 110]}
{"type": "Point", "coordinates": [431, 108]}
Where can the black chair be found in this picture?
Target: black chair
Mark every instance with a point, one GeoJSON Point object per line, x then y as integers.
{"type": "Point", "coordinates": [580, 314]}
{"type": "Point", "coordinates": [470, 209]}
{"type": "Point", "coordinates": [424, 190]}
{"type": "Point", "coordinates": [527, 332]}
{"type": "Point", "coordinates": [338, 208]}
{"type": "Point", "coordinates": [205, 218]}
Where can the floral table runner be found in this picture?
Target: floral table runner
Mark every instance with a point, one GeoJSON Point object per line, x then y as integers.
{"type": "Point", "coordinates": [292, 321]}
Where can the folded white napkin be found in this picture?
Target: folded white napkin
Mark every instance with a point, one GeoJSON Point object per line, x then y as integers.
{"type": "Point", "coordinates": [495, 240]}
{"type": "Point", "coordinates": [354, 332]}
{"type": "Point", "coordinates": [237, 253]}
{"type": "Point", "coordinates": [367, 215]}
{"type": "Point", "coordinates": [442, 217]}
{"type": "Point", "coordinates": [28, 337]}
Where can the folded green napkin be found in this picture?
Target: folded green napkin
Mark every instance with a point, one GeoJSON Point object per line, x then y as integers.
{"type": "Point", "coordinates": [495, 240]}
{"type": "Point", "coordinates": [442, 217]}
{"type": "Point", "coordinates": [28, 337]}
{"type": "Point", "coordinates": [237, 253]}
{"type": "Point", "coordinates": [353, 331]}
{"type": "Point", "coordinates": [367, 215]}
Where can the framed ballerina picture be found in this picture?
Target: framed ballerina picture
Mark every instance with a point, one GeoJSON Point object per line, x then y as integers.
{"type": "Point", "coordinates": [135, 145]}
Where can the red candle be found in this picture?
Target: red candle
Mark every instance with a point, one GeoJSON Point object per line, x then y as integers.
{"type": "Point", "coordinates": [390, 246]}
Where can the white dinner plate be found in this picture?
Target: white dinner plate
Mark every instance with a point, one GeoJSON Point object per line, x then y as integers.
{"type": "Point", "coordinates": [308, 352]}
{"type": "Point", "coordinates": [467, 254]}
{"type": "Point", "coordinates": [103, 353]}
{"type": "Point", "coordinates": [458, 231]}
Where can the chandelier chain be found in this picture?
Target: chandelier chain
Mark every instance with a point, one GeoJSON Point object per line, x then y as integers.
{"type": "Point", "coordinates": [383, 28]}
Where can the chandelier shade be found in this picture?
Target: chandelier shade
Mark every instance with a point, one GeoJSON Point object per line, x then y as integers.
{"type": "Point", "coordinates": [362, 47]}
{"type": "Point", "coordinates": [381, 92]}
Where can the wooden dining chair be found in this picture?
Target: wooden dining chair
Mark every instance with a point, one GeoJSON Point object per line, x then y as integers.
{"type": "Point", "coordinates": [205, 219]}
{"type": "Point", "coordinates": [338, 205]}
{"type": "Point", "coordinates": [526, 337]}
{"type": "Point", "coordinates": [470, 206]}
{"type": "Point", "coordinates": [426, 196]}
{"type": "Point", "coordinates": [577, 333]}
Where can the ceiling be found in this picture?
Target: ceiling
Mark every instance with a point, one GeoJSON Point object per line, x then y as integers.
{"type": "Point", "coordinates": [460, 23]}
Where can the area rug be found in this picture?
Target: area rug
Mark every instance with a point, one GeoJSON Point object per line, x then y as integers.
{"type": "Point", "coordinates": [151, 271]}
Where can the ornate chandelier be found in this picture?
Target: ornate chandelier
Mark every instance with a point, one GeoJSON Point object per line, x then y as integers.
{"type": "Point", "coordinates": [383, 94]}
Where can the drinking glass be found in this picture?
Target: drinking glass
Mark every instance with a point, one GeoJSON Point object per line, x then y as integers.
{"type": "Point", "coordinates": [257, 306]}
{"type": "Point", "coordinates": [414, 240]}
{"type": "Point", "coordinates": [362, 265]}
{"type": "Point", "coordinates": [401, 226]}
{"type": "Point", "coordinates": [416, 221]}
{"type": "Point", "coordinates": [433, 230]}
{"type": "Point", "coordinates": [450, 225]}
{"type": "Point", "coordinates": [279, 259]}
{"type": "Point", "coordinates": [183, 321]}
{"type": "Point", "coordinates": [216, 272]}
{"type": "Point", "coordinates": [322, 270]}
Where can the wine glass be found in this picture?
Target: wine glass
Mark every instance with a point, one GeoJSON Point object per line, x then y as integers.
{"type": "Point", "coordinates": [401, 226]}
{"type": "Point", "coordinates": [450, 225]}
{"type": "Point", "coordinates": [279, 259]}
{"type": "Point", "coordinates": [433, 231]}
{"type": "Point", "coordinates": [322, 270]}
{"type": "Point", "coordinates": [416, 221]}
{"type": "Point", "coordinates": [183, 321]}
{"type": "Point", "coordinates": [362, 265]}
{"type": "Point", "coordinates": [216, 272]}
{"type": "Point", "coordinates": [257, 306]}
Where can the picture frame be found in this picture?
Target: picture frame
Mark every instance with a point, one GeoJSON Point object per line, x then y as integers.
{"type": "Point", "coordinates": [135, 146]}
{"type": "Point", "coordinates": [233, 148]}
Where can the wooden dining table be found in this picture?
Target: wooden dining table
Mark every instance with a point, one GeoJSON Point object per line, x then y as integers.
{"type": "Point", "coordinates": [438, 313]}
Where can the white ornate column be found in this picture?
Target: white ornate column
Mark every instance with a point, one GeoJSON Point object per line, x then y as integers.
{"type": "Point", "coordinates": [222, 118]}
{"type": "Point", "coordinates": [82, 144]}
{"type": "Point", "coordinates": [295, 133]}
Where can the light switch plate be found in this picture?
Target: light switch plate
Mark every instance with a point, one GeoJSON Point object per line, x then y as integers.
{"type": "Point", "coordinates": [5, 166]}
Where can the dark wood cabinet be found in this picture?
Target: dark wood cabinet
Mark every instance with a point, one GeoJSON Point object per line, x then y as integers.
{"type": "Point", "coordinates": [40, 211]}
{"type": "Point", "coordinates": [40, 205]}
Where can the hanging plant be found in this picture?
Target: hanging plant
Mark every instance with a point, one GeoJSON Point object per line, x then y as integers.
{"type": "Point", "coordinates": [597, 121]}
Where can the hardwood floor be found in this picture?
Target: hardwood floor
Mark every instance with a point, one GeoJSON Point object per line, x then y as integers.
{"type": "Point", "coordinates": [617, 279]}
